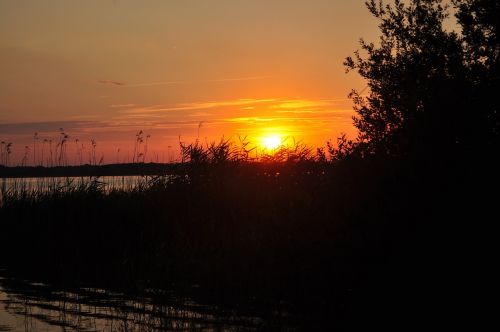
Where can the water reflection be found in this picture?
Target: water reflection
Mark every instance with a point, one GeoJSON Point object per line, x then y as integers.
{"type": "Point", "coordinates": [48, 184]}
{"type": "Point", "coordinates": [29, 306]}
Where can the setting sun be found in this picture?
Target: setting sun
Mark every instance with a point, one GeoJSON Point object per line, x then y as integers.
{"type": "Point", "coordinates": [271, 142]}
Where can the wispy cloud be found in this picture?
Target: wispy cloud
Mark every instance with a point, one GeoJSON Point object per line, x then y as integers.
{"type": "Point", "coordinates": [110, 82]}
{"type": "Point", "coordinates": [121, 105]}
{"type": "Point", "coordinates": [195, 106]}
{"type": "Point", "coordinates": [297, 111]}
{"type": "Point", "coordinates": [315, 111]}
{"type": "Point", "coordinates": [28, 128]}
{"type": "Point", "coordinates": [148, 84]}
{"type": "Point", "coordinates": [298, 104]}
{"type": "Point", "coordinates": [253, 78]}
{"type": "Point", "coordinates": [195, 114]}
{"type": "Point", "coordinates": [221, 80]}
{"type": "Point", "coordinates": [250, 119]}
{"type": "Point", "coordinates": [137, 85]}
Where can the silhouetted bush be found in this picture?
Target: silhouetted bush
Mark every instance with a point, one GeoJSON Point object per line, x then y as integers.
{"type": "Point", "coordinates": [431, 91]}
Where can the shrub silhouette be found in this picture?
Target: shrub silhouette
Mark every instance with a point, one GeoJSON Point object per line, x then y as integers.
{"type": "Point", "coordinates": [430, 90]}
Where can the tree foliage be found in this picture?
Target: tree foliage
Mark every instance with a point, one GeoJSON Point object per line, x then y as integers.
{"type": "Point", "coordinates": [480, 22]}
{"type": "Point", "coordinates": [430, 89]}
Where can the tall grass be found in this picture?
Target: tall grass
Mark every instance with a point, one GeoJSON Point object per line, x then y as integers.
{"type": "Point", "coordinates": [58, 152]}
{"type": "Point", "coordinates": [330, 235]}
{"type": "Point", "coordinates": [38, 189]}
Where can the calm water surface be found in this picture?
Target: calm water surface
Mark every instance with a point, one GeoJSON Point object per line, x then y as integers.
{"type": "Point", "coordinates": [34, 306]}
{"type": "Point", "coordinates": [31, 306]}
{"type": "Point", "coordinates": [49, 183]}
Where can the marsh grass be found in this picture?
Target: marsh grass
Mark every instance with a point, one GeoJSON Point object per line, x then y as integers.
{"type": "Point", "coordinates": [330, 237]}
{"type": "Point", "coordinates": [38, 189]}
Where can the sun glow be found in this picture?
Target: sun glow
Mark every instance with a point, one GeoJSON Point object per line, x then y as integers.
{"type": "Point", "coordinates": [271, 142]}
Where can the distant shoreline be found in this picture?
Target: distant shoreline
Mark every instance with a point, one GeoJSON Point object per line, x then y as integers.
{"type": "Point", "coordinates": [89, 170]}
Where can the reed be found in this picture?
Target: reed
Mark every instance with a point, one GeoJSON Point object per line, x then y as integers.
{"type": "Point", "coordinates": [319, 232]}
{"type": "Point", "coordinates": [239, 149]}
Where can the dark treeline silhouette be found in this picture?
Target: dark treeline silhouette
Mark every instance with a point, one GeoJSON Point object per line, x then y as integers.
{"type": "Point", "coordinates": [381, 231]}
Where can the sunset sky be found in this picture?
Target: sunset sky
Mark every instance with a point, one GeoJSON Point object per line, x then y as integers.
{"type": "Point", "coordinates": [105, 69]}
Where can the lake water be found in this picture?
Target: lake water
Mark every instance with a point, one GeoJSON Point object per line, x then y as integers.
{"type": "Point", "coordinates": [34, 306]}
{"type": "Point", "coordinates": [49, 183]}
{"type": "Point", "coordinates": [31, 306]}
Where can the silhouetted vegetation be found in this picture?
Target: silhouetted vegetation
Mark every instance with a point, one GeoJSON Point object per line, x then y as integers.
{"type": "Point", "coordinates": [310, 233]}
{"type": "Point", "coordinates": [362, 232]}
{"type": "Point", "coordinates": [431, 91]}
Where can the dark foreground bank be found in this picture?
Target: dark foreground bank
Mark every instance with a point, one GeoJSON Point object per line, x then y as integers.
{"type": "Point", "coordinates": [364, 241]}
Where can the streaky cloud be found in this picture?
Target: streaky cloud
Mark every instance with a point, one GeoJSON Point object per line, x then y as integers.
{"type": "Point", "coordinates": [195, 106]}
{"type": "Point", "coordinates": [110, 82]}
{"type": "Point", "coordinates": [147, 84]}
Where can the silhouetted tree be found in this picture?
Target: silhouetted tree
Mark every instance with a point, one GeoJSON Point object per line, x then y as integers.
{"type": "Point", "coordinates": [426, 83]}
{"type": "Point", "coordinates": [480, 22]}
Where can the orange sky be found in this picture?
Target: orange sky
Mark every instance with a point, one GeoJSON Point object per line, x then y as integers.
{"type": "Point", "coordinates": [104, 69]}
